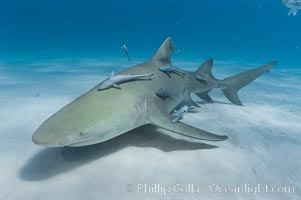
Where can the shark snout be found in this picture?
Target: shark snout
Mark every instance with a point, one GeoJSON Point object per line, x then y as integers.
{"type": "Point", "coordinates": [42, 139]}
{"type": "Point", "coordinates": [37, 139]}
{"type": "Point", "coordinates": [54, 138]}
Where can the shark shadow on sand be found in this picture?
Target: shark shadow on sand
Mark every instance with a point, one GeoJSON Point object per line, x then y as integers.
{"type": "Point", "coordinates": [53, 161]}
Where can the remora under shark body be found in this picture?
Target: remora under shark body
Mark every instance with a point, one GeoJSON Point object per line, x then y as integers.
{"type": "Point", "coordinates": [98, 116]}
{"type": "Point", "coordinates": [179, 114]}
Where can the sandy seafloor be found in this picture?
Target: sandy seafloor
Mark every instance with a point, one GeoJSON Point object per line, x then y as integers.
{"type": "Point", "coordinates": [263, 147]}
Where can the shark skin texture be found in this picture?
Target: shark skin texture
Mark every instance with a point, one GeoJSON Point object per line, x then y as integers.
{"type": "Point", "coordinates": [98, 116]}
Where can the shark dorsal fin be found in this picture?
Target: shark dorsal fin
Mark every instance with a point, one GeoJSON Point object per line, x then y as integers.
{"type": "Point", "coordinates": [112, 74]}
{"type": "Point", "coordinates": [163, 55]}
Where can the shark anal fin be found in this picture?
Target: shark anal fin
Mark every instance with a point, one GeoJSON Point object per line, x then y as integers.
{"type": "Point", "coordinates": [186, 130]}
{"type": "Point", "coordinates": [187, 99]}
{"type": "Point", "coordinates": [205, 96]}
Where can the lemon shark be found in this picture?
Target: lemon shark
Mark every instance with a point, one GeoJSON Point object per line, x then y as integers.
{"type": "Point", "coordinates": [100, 115]}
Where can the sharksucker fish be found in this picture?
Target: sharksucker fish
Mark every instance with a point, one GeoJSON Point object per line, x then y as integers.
{"type": "Point", "coordinates": [114, 80]}
{"type": "Point", "coordinates": [170, 69]}
{"type": "Point", "coordinates": [98, 116]}
{"type": "Point", "coordinates": [126, 51]}
{"type": "Point", "coordinates": [293, 5]}
{"type": "Point", "coordinates": [214, 82]}
{"type": "Point", "coordinates": [163, 94]}
{"type": "Point", "coordinates": [205, 75]}
{"type": "Point", "coordinates": [179, 114]}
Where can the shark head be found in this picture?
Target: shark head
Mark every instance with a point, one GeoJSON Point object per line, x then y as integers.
{"type": "Point", "coordinates": [103, 112]}
{"type": "Point", "coordinates": [95, 117]}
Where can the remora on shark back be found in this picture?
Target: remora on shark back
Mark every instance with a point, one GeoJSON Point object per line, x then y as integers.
{"type": "Point", "coordinates": [98, 116]}
{"type": "Point", "coordinates": [114, 80]}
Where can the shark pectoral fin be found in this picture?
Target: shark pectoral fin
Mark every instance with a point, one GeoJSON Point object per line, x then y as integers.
{"type": "Point", "coordinates": [116, 86]}
{"type": "Point", "coordinates": [232, 96]}
{"type": "Point", "coordinates": [185, 129]}
{"type": "Point", "coordinates": [205, 96]}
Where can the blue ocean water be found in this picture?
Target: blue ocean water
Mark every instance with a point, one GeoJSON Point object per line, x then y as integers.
{"type": "Point", "coordinates": [245, 30]}
{"type": "Point", "coordinates": [53, 51]}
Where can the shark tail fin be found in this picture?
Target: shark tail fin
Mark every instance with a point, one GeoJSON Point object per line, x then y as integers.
{"type": "Point", "coordinates": [163, 55]}
{"type": "Point", "coordinates": [234, 83]}
{"type": "Point", "coordinates": [231, 85]}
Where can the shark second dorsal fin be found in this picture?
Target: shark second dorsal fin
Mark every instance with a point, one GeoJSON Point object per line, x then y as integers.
{"type": "Point", "coordinates": [206, 68]}
{"type": "Point", "coordinates": [163, 55]}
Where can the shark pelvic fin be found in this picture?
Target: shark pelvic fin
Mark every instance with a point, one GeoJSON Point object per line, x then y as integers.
{"type": "Point", "coordinates": [187, 99]}
{"type": "Point", "coordinates": [163, 55]}
{"type": "Point", "coordinates": [181, 128]}
{"type": "Point", "coordinates": [235, 83]}
{"type": "Point", "coordinates": [232, 96]}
